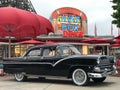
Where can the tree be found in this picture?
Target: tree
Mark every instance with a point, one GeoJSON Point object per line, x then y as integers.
{"type": "Point", "coordinates": [22, 4]}
{"type": "Point", "coordinates": [116, 13]}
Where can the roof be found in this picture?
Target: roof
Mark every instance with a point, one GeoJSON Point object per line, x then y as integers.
{"type": "Point", "coordinates": [49, 45]}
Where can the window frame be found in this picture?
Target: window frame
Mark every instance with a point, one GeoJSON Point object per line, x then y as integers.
{"type": "Point", "coordinates": [39, 49]}
{"type": "Point", "coordinates": [50, 49]}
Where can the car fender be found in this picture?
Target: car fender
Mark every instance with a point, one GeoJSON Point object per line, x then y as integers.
{"type": "Point", "coordinates": [73, 67]}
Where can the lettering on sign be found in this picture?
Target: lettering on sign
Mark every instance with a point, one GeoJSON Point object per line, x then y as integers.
{"type": "Point", "coordinates": [70, 24]}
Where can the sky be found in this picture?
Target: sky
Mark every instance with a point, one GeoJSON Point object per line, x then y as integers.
{"type": "Point", "coordinates": [98, 12]}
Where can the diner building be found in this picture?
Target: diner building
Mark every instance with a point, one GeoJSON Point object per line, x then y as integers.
{"type": "Point", "coordinates": [70, 26]}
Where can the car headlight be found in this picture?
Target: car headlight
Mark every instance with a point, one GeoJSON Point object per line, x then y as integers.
{"type": "Point", "coordinates": [97, 69]}
{"type": "Point", "coordinates": [98, 61]}
{"type": "Point", "coordinates": [115, 61]}
{"type": "Point", "coordinates": [114, 67]}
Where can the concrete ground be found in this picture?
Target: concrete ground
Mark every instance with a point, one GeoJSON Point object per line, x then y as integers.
{"type": "Point", "coordinates": [8, 83]}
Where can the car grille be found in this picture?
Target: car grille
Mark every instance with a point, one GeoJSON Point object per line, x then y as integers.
{"type": "Point", "coordinates": [106, 68]}
{"type": "Point", "coordinates": [105, 64]}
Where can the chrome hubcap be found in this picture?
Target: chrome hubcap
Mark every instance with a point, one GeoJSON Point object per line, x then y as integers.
{"type": "Point", "coordinates": [79, 76]}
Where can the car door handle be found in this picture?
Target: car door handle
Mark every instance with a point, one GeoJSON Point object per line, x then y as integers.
{"type": "Point", "coordinates": [42, 57]}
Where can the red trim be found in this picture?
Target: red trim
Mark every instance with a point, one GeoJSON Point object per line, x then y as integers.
{"type": "Point", "coordinates": [1, 67]}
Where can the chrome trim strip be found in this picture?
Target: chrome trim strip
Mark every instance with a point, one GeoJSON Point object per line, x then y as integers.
{"type": "Point", "coordinates": [100, 75]}
{"type": "Point", "coordinates": [60, 61]}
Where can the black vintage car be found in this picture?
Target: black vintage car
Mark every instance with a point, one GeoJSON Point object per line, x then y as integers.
{"type": "Point", "coordinates": [60, 60]}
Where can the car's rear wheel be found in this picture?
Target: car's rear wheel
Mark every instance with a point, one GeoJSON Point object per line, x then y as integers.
{"type": "Point", "coordinates": [20, 77]}
{"type": "Point", "coordinates": [80, 77]}
{"type": "Point", "coordinates": [98, 80]}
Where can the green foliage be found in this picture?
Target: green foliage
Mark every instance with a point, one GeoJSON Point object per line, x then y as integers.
{"type": "Point", "coordinates": [22, 4]}
{"type": "Point", "coordinates": [116, 13]}
{"type": "Point", "coordinates": [115, 1]}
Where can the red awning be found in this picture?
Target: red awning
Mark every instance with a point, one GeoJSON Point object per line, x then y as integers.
{"type": "Point", "coordinates": [95, 40]}
{"type": "Point", "coordinates": [118, 37]}
{"type": "Point", "coordinates": [115, 45]}
{"type": "Point", "coordinates": [50, 42]}
{"type": "Point", "coordinates": [31, 42]}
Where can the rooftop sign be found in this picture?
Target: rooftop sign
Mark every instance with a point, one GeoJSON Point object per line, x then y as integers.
{"type": "Point", "coordinates": [69, 21]}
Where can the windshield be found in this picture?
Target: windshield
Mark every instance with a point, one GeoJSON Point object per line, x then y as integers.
{"type": "Point", "coordinates": [70, 50]}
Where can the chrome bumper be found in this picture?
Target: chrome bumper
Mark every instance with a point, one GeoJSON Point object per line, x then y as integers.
{"type": "Point", "coordinates": [100, 75]}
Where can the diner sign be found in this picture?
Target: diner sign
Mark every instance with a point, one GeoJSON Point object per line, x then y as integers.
{"type": "Point", "coordinates": [70, 24]}
{"type": "Point", "coordinates": [67, 33]}
{"type": "Point", "coordinates": [69, 18]}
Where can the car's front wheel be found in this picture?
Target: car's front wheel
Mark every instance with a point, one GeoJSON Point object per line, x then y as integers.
{"type": "Point", "coordinates": [98, 80]}
{"type": "Point", "coordinates": [20, 77]}
{"type": "Point", "coordinates": [80, 77]}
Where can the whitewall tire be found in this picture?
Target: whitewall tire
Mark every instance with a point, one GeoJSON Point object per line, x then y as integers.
{"type": "Point", "coordinates": [20, 77]}
{"type": "Point", "coordinates": [80, 77]}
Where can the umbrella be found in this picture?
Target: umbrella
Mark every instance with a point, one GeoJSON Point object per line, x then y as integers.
{"type": "Point", "coordinates": [50, 42]}
{"type": "Point", "coordinates": [31, 42]}
{"type": "Point", "coordinates": [45, 28]}
{"type": "Point", "coordinates": [95, 40]}
{"type": "Point", "coordinates": [12, 19]}
{"type": "Point", "coordinates": [115, 45]}
{"type": "Point", "coordinates": [118, 37]}
{"type": "Point", "coordinates": [46, 25]}
{"type": "Point", "coordinates": [19, 24]}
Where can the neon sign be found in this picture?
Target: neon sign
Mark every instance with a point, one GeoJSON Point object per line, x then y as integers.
{"type": "Point", "coordinates": [73, 34]}
{"type": "Point", "coordinates": [70, 24]}
{"type": "Point", "coordinates": [73, 27]}
{"type": "Point", "coordinates": [70, 19]}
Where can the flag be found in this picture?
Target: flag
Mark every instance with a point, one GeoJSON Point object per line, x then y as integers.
{"type": "Point", "coordinates": [95, 30]}
{"type": "Point", "coordinates": [118, 31]}
{"type": "Point", "coordinates": [111, 29]}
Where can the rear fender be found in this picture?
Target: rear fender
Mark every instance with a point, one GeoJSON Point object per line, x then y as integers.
{"type": "Point", "coordinates": [14, 70]}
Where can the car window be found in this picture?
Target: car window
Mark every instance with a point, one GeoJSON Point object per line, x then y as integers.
{"type": "Point", "coordinates": [34, 52]}
{"type": "Point", "coordinates": [58, 51]}
{"type": "Point", "coordinates": [48, 52]}
{"type": "Point", "coordinates": [69, 50]}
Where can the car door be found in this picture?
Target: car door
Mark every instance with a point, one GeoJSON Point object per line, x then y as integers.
{"type": "Point", "coordinates": [62, 63]}
{"type": "Point", "coordinates": [47, 59]}
{"type": "Point", "coordinates": [50, 57]}
{"type": "Point", "coordinates": [32, 61]}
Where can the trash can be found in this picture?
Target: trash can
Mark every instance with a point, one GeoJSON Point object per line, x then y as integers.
{"type": "Point", "coordinates": [1, 69]}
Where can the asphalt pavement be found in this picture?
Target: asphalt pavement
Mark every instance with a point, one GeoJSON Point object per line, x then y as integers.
{"type": "Point", "coordinates": [9, 83]}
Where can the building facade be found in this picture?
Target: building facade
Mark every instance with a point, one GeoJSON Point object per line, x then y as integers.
{"type": "Point", "coordinates": [70, 26]}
